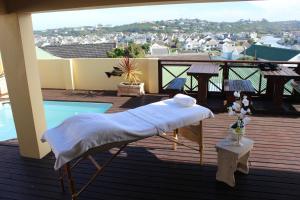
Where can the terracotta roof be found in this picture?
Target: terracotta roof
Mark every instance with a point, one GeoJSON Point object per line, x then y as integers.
{"type": "Point", "coordinates": [80, 50]}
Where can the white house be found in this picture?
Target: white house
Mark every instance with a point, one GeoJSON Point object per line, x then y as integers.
{"type": "Point", "coordinates": [159, 50]}
{"type": "Point", "coordinates": [227, 40]}
{"type": "Point", "coordinates": [192, 44]}
{"type": "Point", "coordinates": [227, 51]}
{"type": "Point", "coordinates": [253, 35]}
{"type": "Point", "coordinates": [210, 45]}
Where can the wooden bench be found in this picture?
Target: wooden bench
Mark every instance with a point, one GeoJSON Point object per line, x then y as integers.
{"type": "Point", "coordinates": [243, 86]}
{"type": "Point", "coordinates": [175, 86]}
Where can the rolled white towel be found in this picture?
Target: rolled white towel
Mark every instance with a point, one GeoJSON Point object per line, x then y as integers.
{"type": "Point", "coordinates": [184, 100]}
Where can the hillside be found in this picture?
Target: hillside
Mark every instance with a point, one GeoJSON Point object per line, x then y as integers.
{"type": "Point", "coordinates": [196, 25]}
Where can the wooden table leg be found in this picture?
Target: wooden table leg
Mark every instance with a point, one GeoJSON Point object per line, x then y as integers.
{"type": "Point", "coordinates": [270, 87]}
{"type": "Point", "coordinates": [175, 136]}
{"type": "Point", "coordinates": [71, 181]}
{"type": "Point", "coordinates": [202, 90]}
{"type": "Point", "coordinates": [278, 92]}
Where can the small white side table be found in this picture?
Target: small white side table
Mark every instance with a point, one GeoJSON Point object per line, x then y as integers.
{"type": "Point", "coordinates": [232, 158]}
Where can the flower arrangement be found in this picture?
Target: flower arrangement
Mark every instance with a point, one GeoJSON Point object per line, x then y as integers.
{"type": "Point", "coordinates": [241, 109]}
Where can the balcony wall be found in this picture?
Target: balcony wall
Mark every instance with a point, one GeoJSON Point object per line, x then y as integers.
{"type": "Point", "coordinates": [89, 74]}
{"type": "Point", "coordinates": [54, 73]}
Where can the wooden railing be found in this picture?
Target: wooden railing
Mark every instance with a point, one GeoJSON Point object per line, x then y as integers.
{"type": "Point", "coordinates": [168, 69]}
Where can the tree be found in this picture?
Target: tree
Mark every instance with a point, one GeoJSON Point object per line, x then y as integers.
{"type": "Point", "coordinates": [134, 51]}
{"type": "Point", "coordinates": [146, 47]}
{"type": "Point", "coordinates": [131, 51]}
{"type": "Point", "coordinates": [250, 41]}
{"type": "Point", "coordinates": [116, 53]}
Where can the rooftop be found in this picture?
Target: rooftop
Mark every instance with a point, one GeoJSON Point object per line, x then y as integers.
{"type": "Point", "coordinates": [80, 50]}
{"type": "Point", "coordinates": [150, 169]}
{"type": "Point", "coordinates": [270, 53]}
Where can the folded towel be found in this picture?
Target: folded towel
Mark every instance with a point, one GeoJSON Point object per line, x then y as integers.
{"type": "Point", "coordinates": [184, 100]}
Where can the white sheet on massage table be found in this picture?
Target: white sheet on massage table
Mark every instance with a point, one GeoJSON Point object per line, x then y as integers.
{"type": "Point", "coordinates": [80, 133]}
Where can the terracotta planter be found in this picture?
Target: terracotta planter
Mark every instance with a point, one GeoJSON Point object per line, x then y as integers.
{"type": "Point", "coordinates": [131, 90]}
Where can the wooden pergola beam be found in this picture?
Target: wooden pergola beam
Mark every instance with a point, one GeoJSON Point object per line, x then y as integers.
{"type": "Point", "coordinates": [54, 5]}
{"type": "Point", "coordinates": [3, 9]}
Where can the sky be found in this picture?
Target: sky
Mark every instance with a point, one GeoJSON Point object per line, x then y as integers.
{"type": "Point", "coordinates": [272, 10]}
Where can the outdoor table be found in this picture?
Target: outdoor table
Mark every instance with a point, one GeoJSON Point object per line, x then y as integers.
{"type": "Point", "coordinates": [243, 86]}
{"type": "Point", "coordinates": [276, 79]}
{"type": "Point", "coordinates": [203, 72]}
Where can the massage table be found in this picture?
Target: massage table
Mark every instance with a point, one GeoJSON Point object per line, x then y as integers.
{"type": "Point", "coordinates": [81, 136]}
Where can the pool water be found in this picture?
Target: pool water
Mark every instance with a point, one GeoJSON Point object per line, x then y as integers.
{"type": "Point", "coordinates": [56, 112]}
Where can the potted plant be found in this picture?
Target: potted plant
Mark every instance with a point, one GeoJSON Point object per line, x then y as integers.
{"type": "Point", "coordinates": [241, 109]}
{"type": "Point", "coordinates": [131, 73]}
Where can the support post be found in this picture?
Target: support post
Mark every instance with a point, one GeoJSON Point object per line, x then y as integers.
{"type": "Point", "coordinates": [225, 75]}
{"type": "Point", "coordinates": [160, 89]}
{"type": "Point", "coordinates": [20, 65]}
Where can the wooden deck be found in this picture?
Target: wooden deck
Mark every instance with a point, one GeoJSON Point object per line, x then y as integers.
{"type": "Point", "coordinates": [150, 169]}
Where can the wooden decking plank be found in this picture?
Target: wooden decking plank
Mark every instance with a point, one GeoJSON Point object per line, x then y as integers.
{"type": "Point", "coordinates": [150, 169]}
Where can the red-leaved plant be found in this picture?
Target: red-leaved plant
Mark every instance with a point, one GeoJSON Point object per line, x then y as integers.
{"type": "Point", "coordinates": [130, 70]}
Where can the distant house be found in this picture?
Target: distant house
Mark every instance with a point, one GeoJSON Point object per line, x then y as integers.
{"type": "Point", "coordinates": [211, 45]}
{"type": "Point", "coordinates": [270, 53]}
{"type": "Point", "coordinates": [227, 50]}
{"type": "Point", "coordinates": [192, 45]}
{"type": "Point", "coordinates": [80, 50]}
{"type": "Point", "coordinates": [227, 40]}
{"type": "Point", "coordinates": [158, 50]}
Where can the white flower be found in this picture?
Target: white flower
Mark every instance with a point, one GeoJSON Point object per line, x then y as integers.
{"type": "Point", "coordinates": [246, 120]}
{"type": "Point", "coordinates": [237, 94]}
{"type": "Point", "coordinates": [245, 102]}
{"type": "Point", "coordinates": [233, 107]}
{"type": "Point", "coordinates": [248, 110]}
{"type": "Point", "coordinates": [243, 111]}
{"type": "Point", "coordinates": [236, 106]}
{"type": "Point", "coordinates": [231, 113]}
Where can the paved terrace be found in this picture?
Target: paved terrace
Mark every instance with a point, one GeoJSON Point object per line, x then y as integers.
{"type": "Point", "coordinates": [150, 169]}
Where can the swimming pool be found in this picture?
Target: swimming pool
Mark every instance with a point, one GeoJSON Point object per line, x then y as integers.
{"type": "Point", "coordinates": [56, 112]}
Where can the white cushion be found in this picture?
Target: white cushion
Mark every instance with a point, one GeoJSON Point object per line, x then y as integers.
{"type": "Point", "coordinates": [184, 100]}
